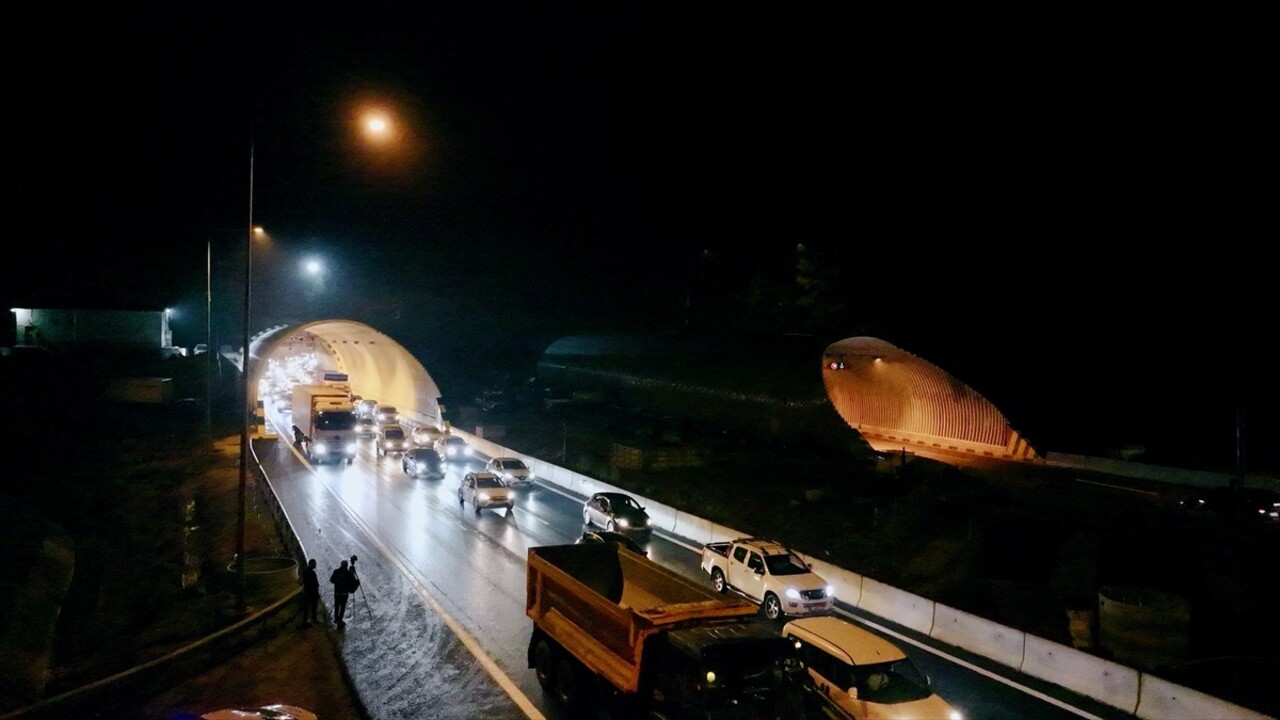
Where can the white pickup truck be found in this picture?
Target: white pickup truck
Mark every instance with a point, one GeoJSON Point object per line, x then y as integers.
{"type": "Point", "coordinates": [770, 574]}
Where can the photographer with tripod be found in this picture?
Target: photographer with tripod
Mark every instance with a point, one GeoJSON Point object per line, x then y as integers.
{"type": "Point", "coordinates": [344, 582]}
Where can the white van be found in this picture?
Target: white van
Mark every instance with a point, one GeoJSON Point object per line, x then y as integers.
{"type": "Point", "coordinates": [859, 675]}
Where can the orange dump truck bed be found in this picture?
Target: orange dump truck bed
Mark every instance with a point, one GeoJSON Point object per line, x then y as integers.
{"type": "Point", "coordinates": [601, 602]}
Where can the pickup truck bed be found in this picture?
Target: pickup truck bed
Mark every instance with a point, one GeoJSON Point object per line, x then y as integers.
{"type": "Point", "coordinates": [719, 548]}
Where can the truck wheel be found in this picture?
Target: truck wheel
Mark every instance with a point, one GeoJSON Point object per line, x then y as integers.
{"type": "Point", "coordinates": [717, 581]}
{"type": "Point", "coordinates": [544, 664]}
{"type": "Point", "coordinates": [566, 685]}
{"type": "Point", "coordinates": [772, 607]}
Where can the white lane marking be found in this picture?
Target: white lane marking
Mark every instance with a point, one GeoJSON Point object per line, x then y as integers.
{"type": "Point", "coordinates": [530, 710]}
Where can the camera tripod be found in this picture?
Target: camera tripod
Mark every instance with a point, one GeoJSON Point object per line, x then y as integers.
{"type": "Point", "coordinates": [360, 589]}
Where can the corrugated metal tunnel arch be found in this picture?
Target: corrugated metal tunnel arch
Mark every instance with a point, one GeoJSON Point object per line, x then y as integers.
{"type": "Point", "coordinates": [897, 400]}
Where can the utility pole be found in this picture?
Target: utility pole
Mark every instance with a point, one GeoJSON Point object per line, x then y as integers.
{"type": "Point", "coordinates": [244, 404]}
{"type": "Point", "coordinates": [1237, 479]}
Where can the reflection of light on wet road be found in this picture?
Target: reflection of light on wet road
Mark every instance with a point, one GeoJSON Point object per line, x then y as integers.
{"type": "Point", "coordinates": [406, 514]}
{"type": "Point", "coordinates": [417, 516]}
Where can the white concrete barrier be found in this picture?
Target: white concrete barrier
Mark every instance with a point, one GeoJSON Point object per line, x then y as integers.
{"type": "Point", "coordinates": [897, 605]}
{"type": "Point", "coordinates": [692, 528]}
{"type": "Point", "coordinates": [1102, 680]}
{"type": "Point", "coordinates": [847, 585]}
{"type": "Point", "coordinates": [1160, 699]}
{"type": "Point", "coordinates": [661, 517]}
{"type": "Point", "coordinates": [977, 635]}
{"type": "Point", "coordinates": [555, 475]}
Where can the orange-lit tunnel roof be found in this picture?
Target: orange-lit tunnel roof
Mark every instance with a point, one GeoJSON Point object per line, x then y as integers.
{"type": "Point", "coordinates": [898, 400]}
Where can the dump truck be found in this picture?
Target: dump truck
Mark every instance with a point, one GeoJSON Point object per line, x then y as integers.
{"type": "Point", "coordinates": [324, 423]}
{"type": "Point", "coordinates": [616, 632]}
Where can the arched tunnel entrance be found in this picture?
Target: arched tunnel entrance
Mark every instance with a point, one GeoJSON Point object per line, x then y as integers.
{"type": "Point", "coordinates": [898, 400]}
{"type": "Point", "coordinates": [377, 366]}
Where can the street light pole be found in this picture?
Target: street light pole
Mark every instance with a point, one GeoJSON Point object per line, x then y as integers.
{"type": "Point", "coordinates": [208, 334]}
{"type": "Point", "coordinates": [244, 404]}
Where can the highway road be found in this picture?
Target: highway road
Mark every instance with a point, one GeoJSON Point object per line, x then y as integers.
{"type": "Point", "coordinates": [438, 628]}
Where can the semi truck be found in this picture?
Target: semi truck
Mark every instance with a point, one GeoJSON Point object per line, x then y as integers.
{"type": "Point", "coordinates": [324, 423]}
{"type": "Point", "coordinates": [615, 632]}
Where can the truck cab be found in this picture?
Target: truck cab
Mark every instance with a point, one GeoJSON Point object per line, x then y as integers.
{"type": "Point", "coordinates": [324, 424]}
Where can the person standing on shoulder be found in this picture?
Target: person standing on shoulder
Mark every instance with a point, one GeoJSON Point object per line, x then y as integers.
{"type": "Point", "coordinates": [342, 581]}
{"type": "Point", "coordinates": [310, 594]}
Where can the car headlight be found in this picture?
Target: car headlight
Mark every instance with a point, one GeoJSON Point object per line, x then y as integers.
{"type": "Point", "coordinates": [793, 593]}
{"type": "Point", "coordinates": [484, 496]}
{"type": "Point", "coordinates": [622, 522]}
{"type": "Point", "coordinates": [351, 448]}
{"type": "Point", "coordinates": [466, 450]}
{"type": "Point", "coordinates": [322, 448]}
{"type": "Point", "coordinates": [831, 592]}
{"type": "Point", "coordinates": [955, 715]}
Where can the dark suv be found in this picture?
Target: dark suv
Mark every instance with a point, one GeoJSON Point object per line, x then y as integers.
{"type": "Point", "coordinates": [422, 462]}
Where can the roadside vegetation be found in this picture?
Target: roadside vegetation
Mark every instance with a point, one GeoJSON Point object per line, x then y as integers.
{"type": "Point", "coordinates": [120, 524]}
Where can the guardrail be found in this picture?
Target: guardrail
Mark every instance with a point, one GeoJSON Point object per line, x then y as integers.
{"type": "Point", "coordinates": [1139, 693]}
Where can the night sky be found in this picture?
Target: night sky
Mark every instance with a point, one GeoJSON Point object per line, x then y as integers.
{"type": "Point", "coordinates": [1065, 202]}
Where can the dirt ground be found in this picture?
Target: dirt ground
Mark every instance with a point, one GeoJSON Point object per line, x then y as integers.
{"type": "Point", "coordinates": [280, 662]}
{"type": "Point", "coordinates": [299, 666]}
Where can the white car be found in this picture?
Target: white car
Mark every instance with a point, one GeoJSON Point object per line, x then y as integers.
{"type": "Point", "coordinates": [426, 435]}
{"type": "Point", "coordinates": [391, 439]}
{"type": "Point", "coordinates": [384, 414]}
{"type": "Point", "coordinates": [364, 407]}
{"type": "Point", "coordinates": [484, 490]}
{"type": "Point", "coordinates": [858, 675]}
{"type": "Point", "coordinates": [453, 447]}
{"type": "Point", "coordinates": [512, 470]}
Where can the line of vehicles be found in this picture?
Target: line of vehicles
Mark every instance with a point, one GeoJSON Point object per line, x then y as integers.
{"type": "Point", "coordinates": [616, 632]}
{"type": "Point", "coordinates": [328, 420]}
